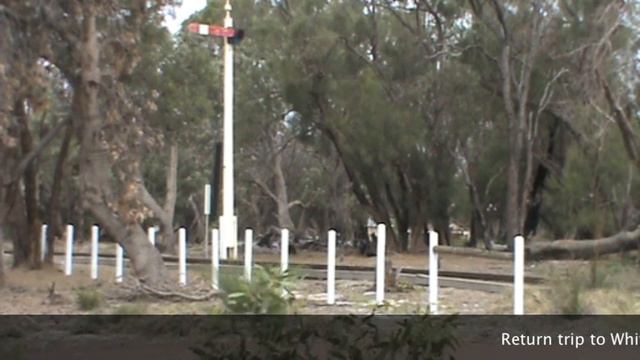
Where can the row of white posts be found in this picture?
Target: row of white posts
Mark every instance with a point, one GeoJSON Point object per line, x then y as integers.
{"type": "Point", "coordinates": [216, 250]}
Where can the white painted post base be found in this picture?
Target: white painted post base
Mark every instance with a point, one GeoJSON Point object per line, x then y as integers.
{"type": "Point", "coordinates": [248, 253]}
{"type": "Point", "coordinates": [119, 263]}
{"type": "Point", "coordinates": [215, 258]}
{"type": "Point", "coordinates": [182, 245]}
{"type": "Point", "coordinates": [433, 273]}
{"type": "Point", "coordinates": [151, 234]}
{"type": "Point", "coordinates": [518, 275]}
{"type": "Point", "coordinates": [380, 254]}
{"type": "Point", "coordinates": [68, 263]}
{"type": "Point", "coordinates": [43, 241]}
{"type": "Point", "coordinates": [95, 235]}
{"type": "Point", "coordinates": [228, 237]}
{"type": "Point", "coordinates": [207, 212]}
{"type": "Point", "coordinates": [284, 250]}
{"type": "Point", "coordinates": [331, 267]}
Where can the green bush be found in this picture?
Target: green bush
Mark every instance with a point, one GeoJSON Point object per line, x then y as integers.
{"type": "Point", "coordinates": [267, 293]}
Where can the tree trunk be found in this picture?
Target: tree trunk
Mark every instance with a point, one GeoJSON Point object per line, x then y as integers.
{"type": "Point", "coordinates": [282, 198]}
{"type": "Point", "coordinates": [2, 275]}
{"type": "Point", "coordinates": [416, 238]}
{"type": "Point", "coordinates": [555, 154]}
{"type": "Point", "coordinates": [95, 168]}
{"type": "Point", "coordinates": [27, 246]}
{"type": "Point", "coordinates": [474, 231]}
{"type": "Point", "coordinates": [55, 219]}
{"type": "Point", "coordinates": [512, 207]}
{"type": "Point", "coordinates": [5, 155]}
{"type": "Point", "coordinates": [169, 238]}
{"type": "Point", "coordinates": [8, 159]}
{"type": "Point", "coordinates": [17, 221]}
{"type": "Point", "coordinates": [516, 110]}
{"type": "Point", "coordinates": [166, 213]}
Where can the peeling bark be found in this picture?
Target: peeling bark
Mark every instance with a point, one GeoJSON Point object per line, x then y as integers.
{"type": "Point", "coordinates": [95, 179]}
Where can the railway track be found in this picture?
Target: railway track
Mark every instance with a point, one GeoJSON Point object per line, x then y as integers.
{"type": "Point", "coordinates": [488, 282]}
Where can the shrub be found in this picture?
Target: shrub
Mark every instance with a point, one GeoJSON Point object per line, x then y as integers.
{"type": "Point", "coordinates": [267, 293]}
{"type": "Point", "coordinates": [88, 298]}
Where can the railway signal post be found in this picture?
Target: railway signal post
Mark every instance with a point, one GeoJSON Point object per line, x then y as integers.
{"type": "Point", "coordinates": [228, 221]}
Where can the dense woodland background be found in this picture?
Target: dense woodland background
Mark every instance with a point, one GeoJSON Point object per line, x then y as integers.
{"type": "Point", "coordinates": [502, 117]}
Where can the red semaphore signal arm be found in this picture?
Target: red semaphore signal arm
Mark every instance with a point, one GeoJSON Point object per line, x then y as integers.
{"type": "Point", "coordinates": [212, 30]}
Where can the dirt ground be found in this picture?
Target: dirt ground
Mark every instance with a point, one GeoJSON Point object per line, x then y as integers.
{"type": "Point", "coordinates": [26, 291]}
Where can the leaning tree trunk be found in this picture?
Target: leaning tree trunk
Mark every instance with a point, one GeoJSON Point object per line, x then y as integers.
{"type": "Point", "coordinates": [165, 214]}
{"type": "Point", "coordinates": [95, 168]}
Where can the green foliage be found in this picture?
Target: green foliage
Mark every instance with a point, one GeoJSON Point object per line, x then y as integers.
{"type": "Point", "coordinates": [269, 292]}
{"type": "Point", "coordinates": [581, 206]}
{"type": "Point", "coordinates": [88, 298]}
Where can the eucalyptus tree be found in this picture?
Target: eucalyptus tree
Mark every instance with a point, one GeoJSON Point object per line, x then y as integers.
{"type": "Point", "coordinates": [354, 80]}
{"type": "Point", "coordinates": [94, 46]}
{"type": "Point", "coordinates": [175, 88]}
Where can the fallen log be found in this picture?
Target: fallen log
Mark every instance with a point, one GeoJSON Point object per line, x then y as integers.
{"type": "Point", "coordinates": [584, 249]}
{"type": "Point", "coordinates": [466, 251]}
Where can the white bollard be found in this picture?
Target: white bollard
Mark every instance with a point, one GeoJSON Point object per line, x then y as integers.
{"type": "Point", "coordinates": [248, 253]}
{"type": "Point", "coordinates": [215, 258]}
{"type": "Point", "coordinates": [151, 234]}
{"type": "Point", "coordinates": [182, 236]}
{"type": "Point", "coordinates": [43, 242]}
{"type": "Point", "coordinates": [518, 275]}
{"type": "Point", "coordinates": [68, 266]}
{"type": "Point", "coordinates": [284, 250]}
{"type": "Point", "coordinates": [380, 253]}
{"type": "Point", "coordinates": [331, 267]}
{"type": "Point", "coordinates": [207, 212]}
{"type": "Point", "coordinates": [433, 273]}
{"type": "Point", "coordinates": [119, 263]}
{"type": "Point", "coordinates": [95, 234]}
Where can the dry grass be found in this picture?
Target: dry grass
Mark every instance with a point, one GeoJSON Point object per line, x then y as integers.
{"type": "Point", "coordinates": [607, 286]}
